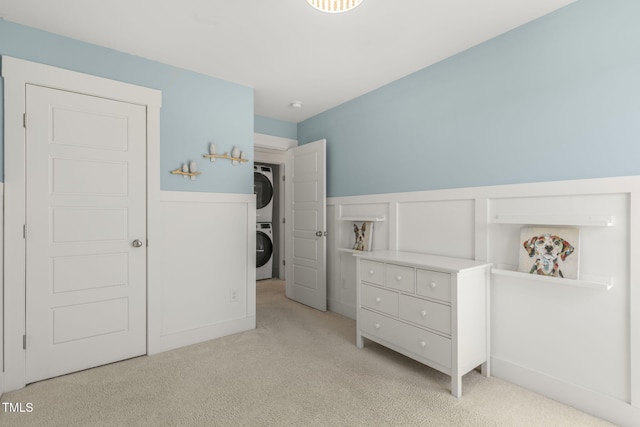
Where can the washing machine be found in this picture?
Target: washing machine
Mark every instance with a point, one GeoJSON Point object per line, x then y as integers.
{"type": "Point", "coordinates": [263, 189]}
{"type": "Point", "coordinates": [264, 251]}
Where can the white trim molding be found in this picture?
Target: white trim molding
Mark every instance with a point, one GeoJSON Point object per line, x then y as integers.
{"type": "Point", "coordinates": [271, 149]}
{"type": "Point", "coordinates": [17, 73]}
{"type": "Point", "coordinates": [270, 142]}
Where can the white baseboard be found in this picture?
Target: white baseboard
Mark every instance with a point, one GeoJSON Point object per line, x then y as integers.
{"type": "Point", "coordinates": [343, 309]}
{"type": "Point", "coordinates": [206, 333]}
{"type": "Point", "coordinates": [599, 405]}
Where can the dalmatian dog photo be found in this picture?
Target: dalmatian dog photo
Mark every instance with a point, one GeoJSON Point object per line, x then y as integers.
{"type": "Point", "coordinates": [548, 251]}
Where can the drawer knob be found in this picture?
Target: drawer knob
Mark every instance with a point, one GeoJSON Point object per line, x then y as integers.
{"type": "Point", "coordinates": [370, 272]}
{"type": "Point", "coordinates": [378, 299]}
{"type": "Point", "coordinates": [377, 325]}
{"type": "Point", "coordinates": [423, 344]}
{"type": "Point", "coordinates": [432, 285]}
{"type": "Point", "coordinates": [423, 313]}
{"type": "Point", "coordinates": [399, 278]}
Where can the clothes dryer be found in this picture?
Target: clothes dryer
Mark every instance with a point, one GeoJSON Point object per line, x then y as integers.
{"type": "Point", "coordinates": [263, 189]}
{"type": "Point", "coordinates": [264, 251]}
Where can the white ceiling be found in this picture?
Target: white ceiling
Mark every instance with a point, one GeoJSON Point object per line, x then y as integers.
{"type": "Point", "coordinates": [284, 49]}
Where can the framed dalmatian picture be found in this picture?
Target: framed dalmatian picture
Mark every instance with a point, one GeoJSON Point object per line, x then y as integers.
{"type": "Point", "coordinates": [550, 251]}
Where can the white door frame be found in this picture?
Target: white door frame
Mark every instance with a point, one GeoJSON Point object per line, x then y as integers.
{"type": "Point", "coordinates": [17, 73]}
{"type": "Point", "coordinates": [273, 150]}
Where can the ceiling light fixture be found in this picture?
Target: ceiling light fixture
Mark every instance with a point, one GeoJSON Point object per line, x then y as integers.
{"type": "Point", "coordinates": [295, 104]}
{"type": "Point", "coordinates": [334, 6]}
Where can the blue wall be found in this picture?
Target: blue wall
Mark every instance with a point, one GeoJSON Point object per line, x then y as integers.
{"type": "Point", "coordinates": [196, 108]}
{"type": "Point", "coordinates": [556, 99]}
{"type": "Point", "coordinates": [274, 127]}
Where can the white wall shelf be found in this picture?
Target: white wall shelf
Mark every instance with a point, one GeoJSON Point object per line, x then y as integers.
{"type": "Point", "coordinates": [359, 218]}
{"type": "Point", "coordinates": [350, 251]}
{"type": "Point", "coordinates": [603, 284]}
{"type": "Point", "coordinates": [575, 220]}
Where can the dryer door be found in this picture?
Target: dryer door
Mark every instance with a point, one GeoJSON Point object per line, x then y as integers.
{"type": "Point", "coordinates": [264, 249]}
{"type": "Point", "coordinates": [263, 189]}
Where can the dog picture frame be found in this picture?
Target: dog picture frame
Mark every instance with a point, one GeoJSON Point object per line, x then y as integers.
{"type": "Point", "coordinates": [362, 235]}
{"type": "Point", "coordinates": [550, 251]}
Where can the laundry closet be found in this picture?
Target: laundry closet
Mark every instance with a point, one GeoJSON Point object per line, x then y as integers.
{"type": "Point", "coordinates": [269, 249]}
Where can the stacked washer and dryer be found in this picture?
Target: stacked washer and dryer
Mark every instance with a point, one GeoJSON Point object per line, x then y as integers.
{"type": "Point", "coordinates": [263, 189]}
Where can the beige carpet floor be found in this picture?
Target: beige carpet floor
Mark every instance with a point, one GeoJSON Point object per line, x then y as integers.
{"type": "Point", "coordinates": [299, 367]}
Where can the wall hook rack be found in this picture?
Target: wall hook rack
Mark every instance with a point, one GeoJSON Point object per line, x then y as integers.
{"type": "Point", "coordinates": [188, 170]}
{"type": "Point", "coordinates": [237, 157]}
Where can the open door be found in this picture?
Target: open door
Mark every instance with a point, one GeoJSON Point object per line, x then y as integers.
{"type": "Point", "coordinates": [306, 248]}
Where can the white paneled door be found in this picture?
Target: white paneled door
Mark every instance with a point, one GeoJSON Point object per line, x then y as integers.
{"type": "Point", "coordinates": [306, 225]}
{"type": "Point", "coordinates": [85, 231]}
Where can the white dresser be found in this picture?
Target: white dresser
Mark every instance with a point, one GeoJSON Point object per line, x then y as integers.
{"type": "Point", "coordinates": [433, 309]}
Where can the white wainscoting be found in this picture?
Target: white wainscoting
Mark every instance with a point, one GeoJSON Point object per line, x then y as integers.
{"type": "Point", "coordinates": [207, 267]}
{"type": "Point", "coordinates": [1, 288]}
{"type": "Point", "coordinates": [576, 344]}
{"type": "Point", "coordinates": [205, 251]}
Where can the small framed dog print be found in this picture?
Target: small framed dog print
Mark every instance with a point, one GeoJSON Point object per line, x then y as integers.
{"type": "Point", "coordinates": [550, 251]}
{"type": "Point", "coordinates": [363, 234]}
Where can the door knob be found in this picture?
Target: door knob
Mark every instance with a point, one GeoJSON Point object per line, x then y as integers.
{"type": "Point", "coordinates": [319, 233]}
{"type": "Point", "coordinates": [136, 243]}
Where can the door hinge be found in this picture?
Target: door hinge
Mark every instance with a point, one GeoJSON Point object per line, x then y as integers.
{"type": "Point", "coordinates": [24, 342]}
{"type": "Point", "coordinates": [283, 177]}
{"type": "Point", "coordinates": [24, 120]}
{"type": "Point", "coordinates": [24, 231]}
{"type": "Point", "coordinates": [284, 220]}
{"type": "Point", "coordinates": [284, 262]}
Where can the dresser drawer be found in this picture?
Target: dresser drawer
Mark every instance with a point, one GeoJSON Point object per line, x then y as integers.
{"type": "Point", "coordinates": [434, 284]}
{"type": "Point", "coordinates": [417, 341]}
{"type": "Point", "coordinates": [430, 314]}
{"type": "Point", "coordinates": [371, 271]}
{"type": "Point", "coordinates": [379, 299]}
{"type": "Point", "coordinates": [400, 277]}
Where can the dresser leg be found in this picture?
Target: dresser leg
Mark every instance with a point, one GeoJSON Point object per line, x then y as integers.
{"type": "Point", "coordinates": [359, 340]}
{"type": "Point", "coordinates": [485, 369]}
{"type": "Point", "coordinates": [456, 386]}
